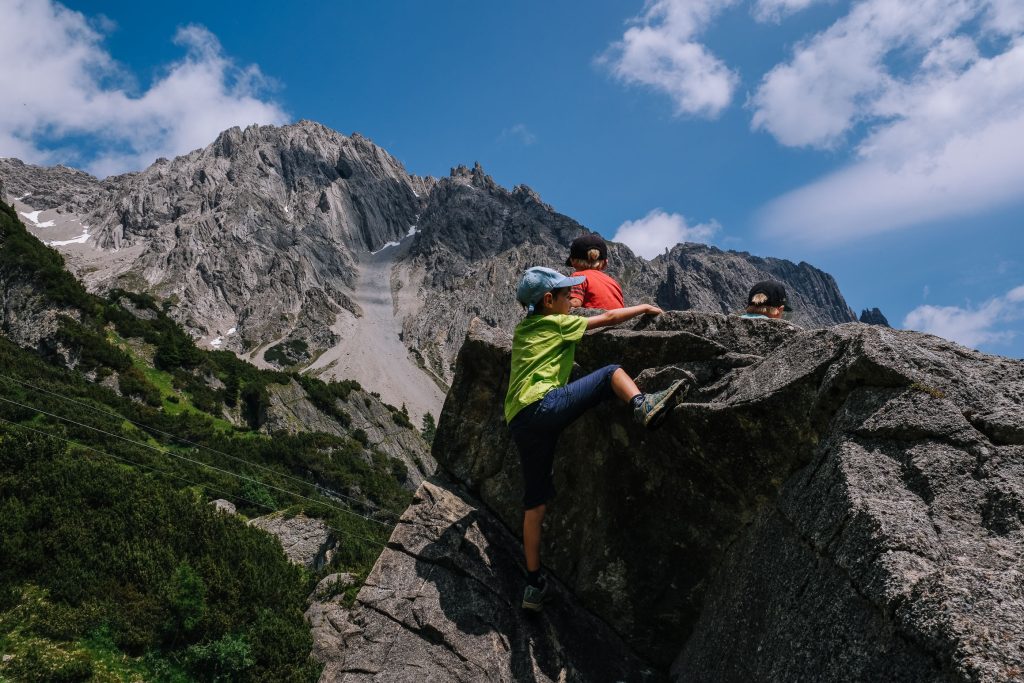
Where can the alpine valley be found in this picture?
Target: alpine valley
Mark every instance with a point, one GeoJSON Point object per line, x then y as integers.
{"type": "Point", "coordinates": [251, 429]}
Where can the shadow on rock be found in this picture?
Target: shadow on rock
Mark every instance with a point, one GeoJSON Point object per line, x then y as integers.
{"type": "Point", "coordinates": [443, 603]}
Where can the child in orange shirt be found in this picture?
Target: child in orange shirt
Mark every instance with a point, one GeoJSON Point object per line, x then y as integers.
{"type": "Point", "coordinates": [588, 254]}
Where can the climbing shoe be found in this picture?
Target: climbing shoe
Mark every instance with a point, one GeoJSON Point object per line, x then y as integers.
{"type": "Point", "coordinates": [534, 597]}
{"type": "Point", "coordinates": [653, 410]}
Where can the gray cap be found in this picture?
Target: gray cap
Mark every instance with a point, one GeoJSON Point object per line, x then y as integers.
{"type": "Point", "coordinates": [538, 281]}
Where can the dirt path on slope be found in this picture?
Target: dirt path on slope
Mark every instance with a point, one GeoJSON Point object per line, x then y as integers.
{"type": "Point", "coordinates": [370, 350]}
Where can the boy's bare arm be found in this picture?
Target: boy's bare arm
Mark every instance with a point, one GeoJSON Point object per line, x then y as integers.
{"type": "Point", "coordinates": [621, 315]}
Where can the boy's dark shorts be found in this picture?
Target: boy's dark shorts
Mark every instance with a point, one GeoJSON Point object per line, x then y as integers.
{"type": "Point", "coordinates": [536, 427]}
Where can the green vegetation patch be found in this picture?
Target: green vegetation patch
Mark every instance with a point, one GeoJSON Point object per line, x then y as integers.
{"type": "Point", "coordinates": [289, 353]}
{"type": "Point", "coordinates": [114, 565]}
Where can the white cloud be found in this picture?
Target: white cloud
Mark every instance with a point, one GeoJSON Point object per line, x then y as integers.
{"type": "Point", "coordinates": [1005, 17]}
{"type": "Point", "coordinates": [519, 132]}
{"type": "Point", "coordinates": [657, 231]}
{"type": "Point", "coordinates": [971, 326]}
{"type": "Point", "coordinates": [661, 52]}
{"type": "Point", "coordinates": [942, 139]}
{"type": "Point", "coordinates": [840, 77]}
{"type": "Point", "coordinates": [59, 82]}
{"type": "Point", "coordinates": [774, 10]}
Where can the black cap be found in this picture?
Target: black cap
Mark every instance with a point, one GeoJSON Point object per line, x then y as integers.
{"type": "Point", "coordinates": [583, 244]}
{"type": "Point", "coordinates": [768, 293]}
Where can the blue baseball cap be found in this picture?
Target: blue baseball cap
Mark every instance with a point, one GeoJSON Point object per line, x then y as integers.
{"type": "Point", "coordinates": [538, 281]}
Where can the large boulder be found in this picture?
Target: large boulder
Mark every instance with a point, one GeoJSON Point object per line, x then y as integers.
{"type": "Point", "coordinates": [306, 541]}
{"type": "Point", "coordinates": [831, 504]}
{"type": "Point", "coordinates": [441, 604]}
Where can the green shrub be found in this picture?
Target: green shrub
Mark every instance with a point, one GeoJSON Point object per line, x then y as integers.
{"type": "Point", "coordinates": [226, 659]}
{"type": "Point", "coordinates": [325, 396]}
{"type": "Point", "coordinates": [186, 600]}
{"type": "Point", "coordinates": [258, 495]}
{"type": "Point", "coordinates": [255, 402]}
{"type": "Point", "coordinates": [291, 352]}
{"type": "Point", "coordinates": [132, 382]}
{"type": "Point", "coordinates": [401, 419]}
{"type": "Point", "coordinates": [52, 667]}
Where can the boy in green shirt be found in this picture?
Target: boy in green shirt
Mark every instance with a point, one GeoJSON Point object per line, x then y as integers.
{"type": "Point", "coordinates": [540, 403]}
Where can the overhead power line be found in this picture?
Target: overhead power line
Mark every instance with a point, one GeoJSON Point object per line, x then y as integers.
{"type": "Point", "coordinates": [164, 451]}
{"type": "Point", "coordinates": [169, 435]}
{"type": "Point", "coordinates": [70, 442]}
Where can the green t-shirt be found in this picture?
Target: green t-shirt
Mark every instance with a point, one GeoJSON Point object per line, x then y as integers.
{"type": "Point", "coordinates": [543, 347]}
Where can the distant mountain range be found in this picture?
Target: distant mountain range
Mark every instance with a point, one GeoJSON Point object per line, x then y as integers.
{"type": "Point", "coordinates": [265, 243]}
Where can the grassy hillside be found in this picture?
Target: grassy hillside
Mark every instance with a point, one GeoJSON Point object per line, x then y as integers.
{"type": "Point", "coordinates": [113, 565]}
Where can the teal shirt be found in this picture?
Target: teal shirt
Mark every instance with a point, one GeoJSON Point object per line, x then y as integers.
{"type": "Point", "coordinates": [543, 348]}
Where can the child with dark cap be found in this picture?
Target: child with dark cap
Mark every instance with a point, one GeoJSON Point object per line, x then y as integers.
{"type": "Point", "coordinates": [540, 402]}
{"type": "Point", "coordinates": [767, 299]}
{"type": "Point", "coordinates": [588, 255]}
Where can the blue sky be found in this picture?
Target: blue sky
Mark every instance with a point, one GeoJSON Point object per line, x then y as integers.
{"type": "Point", "coordinates": [880, 140]}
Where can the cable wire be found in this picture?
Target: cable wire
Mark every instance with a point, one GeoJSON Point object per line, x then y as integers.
{"type": "Point", "coordinates": [164, 451]}
{"type": "Point", "coordinates": [174, 436]}
{"type": "Point", "coordinates": [178, 476]}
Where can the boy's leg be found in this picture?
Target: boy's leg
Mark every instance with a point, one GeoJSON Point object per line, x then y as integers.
{"type": "Point", "coordinates": [561, 407]}
{"type": "Point", "coordinates": [624, 386]}
{"type": "Point", "coordinates": [536, 447]}
{"type": "Point", "coordinates": [532, 520]}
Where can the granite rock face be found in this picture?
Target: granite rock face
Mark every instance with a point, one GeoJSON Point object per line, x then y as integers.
{"type": "Point", "coordinates": [292, 411]}
{"type": "Point", "coordinates": [224, 506]}
{"type": "Point", "coordinates": [699, 277]}
{"type": "Point", "coordinates": [307, 542]}
{"type": "Point", "coordinates": [442, 604]}
{"type": "Point", "coordinates": [828, 504]}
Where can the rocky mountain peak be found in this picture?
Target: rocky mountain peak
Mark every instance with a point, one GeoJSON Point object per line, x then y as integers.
{"type": "Point", "coordinates": [873, 316]}
{"type": "Point", "coordinates": [475, 177]}
{"type": "Point", "coordinates": [274, 215]}
{"type": "Point", "coordinates": [262, 241]}
{"type": "Point", "coordinates": [59, 187]}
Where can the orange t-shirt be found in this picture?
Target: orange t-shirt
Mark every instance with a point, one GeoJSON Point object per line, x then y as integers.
{"type": "Point", "coordinates": [598, 290]}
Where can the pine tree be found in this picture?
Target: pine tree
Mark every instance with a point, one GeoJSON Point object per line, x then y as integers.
{"type": "Point", "coordinates": [429, 428]}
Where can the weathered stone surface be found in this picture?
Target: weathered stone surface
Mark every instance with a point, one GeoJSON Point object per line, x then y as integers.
{"type": "Point", "coordinates": [56, 187]}
{"type": "Point", "coordinates": [829, 504]}
{"type": "Point", "coordinates": [225, 506]}
{"type": "Point", "coordinates": [29, 318]}
{"type": "Point", "coordinates": [442, 604]}
{"type": "Point", "coordinates": [332, 584]}
{"type": "Point", "coordinates": [305, 541]}
{"type": "Point", "coordinates": [291, 410]}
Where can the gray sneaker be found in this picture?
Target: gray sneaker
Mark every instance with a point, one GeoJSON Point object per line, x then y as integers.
{"type": "Point", "coordinates": [653, 410]}
{"type": "Point", "coordinates": [534, 598]}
